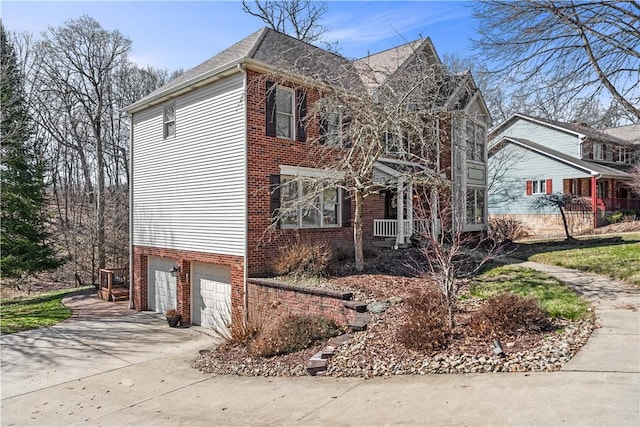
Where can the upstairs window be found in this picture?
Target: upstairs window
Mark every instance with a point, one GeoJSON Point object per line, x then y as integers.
{"type": "Point", "coordinates": [395, 143]}
{"type": "Point", "coordinates": [286, 108]}
{"type": "Point", "coordinates": [331, 129]}
{"type": "Point", "coordinates": [169, 121]}
{"type": "Point", "coordinates": [622, 155]}
{"type": "Point", "coordinates": [597, 151]}
{"type": "Point", "coordinates": [475, 136]}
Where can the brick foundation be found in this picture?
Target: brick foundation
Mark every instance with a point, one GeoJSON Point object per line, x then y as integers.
{"type": "Point", "coordinates": [550, 225]}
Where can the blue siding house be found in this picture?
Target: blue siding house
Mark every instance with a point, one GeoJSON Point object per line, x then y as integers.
{"type": "Point", "coordinates": [530, 157]}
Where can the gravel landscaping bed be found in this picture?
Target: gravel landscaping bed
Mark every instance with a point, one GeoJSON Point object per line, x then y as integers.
{"type": "Point", "coordinates": [377, 352]}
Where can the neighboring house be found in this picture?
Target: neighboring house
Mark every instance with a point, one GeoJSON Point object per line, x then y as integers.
{"type": "Point", "coordinates": [530, 156]}
{"type": "Point", "coordinates": [211, 150]}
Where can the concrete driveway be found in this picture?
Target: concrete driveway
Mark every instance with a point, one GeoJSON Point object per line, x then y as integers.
{"type": "Point", "coordinates": [131, 369]}
{"type": "Point", "coordinates": [99, 337]}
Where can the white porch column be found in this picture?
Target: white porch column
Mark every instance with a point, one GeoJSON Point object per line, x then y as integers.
{"type": "Point", "coordinates": [400, 213]}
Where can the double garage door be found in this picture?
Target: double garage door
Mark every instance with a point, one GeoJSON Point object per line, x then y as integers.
{"type": "Point", "coordinates": [210, 291]}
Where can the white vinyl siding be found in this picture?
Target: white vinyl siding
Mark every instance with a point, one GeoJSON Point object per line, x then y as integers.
{"type": "Point", "coordinates": [189, 192]}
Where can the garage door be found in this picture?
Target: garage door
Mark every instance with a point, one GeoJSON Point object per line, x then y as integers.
{"type": "Point", "coordinates": [162, 285]}
{"type": "Point", "coordinates": [211, 294]}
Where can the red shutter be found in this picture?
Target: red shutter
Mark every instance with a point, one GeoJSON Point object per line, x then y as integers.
{"type": "Point", "coordinates": [529, 188]}
{"type": "Point", "coordinates": [549, 186]}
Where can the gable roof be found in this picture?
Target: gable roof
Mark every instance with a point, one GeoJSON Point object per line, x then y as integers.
{"type": "Point", "coordinates": [629, 133]}
{"type": "Point", "coordinates": [591, 168]}
{"type": "Point", "coordinates": [268, 48]}
{"type": "Point", "coordinates": [581, 132]}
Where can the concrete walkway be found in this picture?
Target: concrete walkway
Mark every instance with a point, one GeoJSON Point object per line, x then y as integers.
{"type": "Point", "coordinates": [600, 386]}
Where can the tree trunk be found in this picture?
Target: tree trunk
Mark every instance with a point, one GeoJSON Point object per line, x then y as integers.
{"type": "Point", "coordinates": [357, 232]}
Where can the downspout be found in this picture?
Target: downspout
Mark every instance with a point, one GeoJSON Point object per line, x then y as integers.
{"type": "Point", "coordinates": [245, 285]}
{"type": "Point", "coordinates": [131, 211]}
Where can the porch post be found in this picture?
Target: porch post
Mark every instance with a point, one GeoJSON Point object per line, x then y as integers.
{"type": "Point", "coordinates": [613, 195]}
{"type": "Point", "coordinates": [594, 201]}
{"type": "Point", "coordinates": [400, 213]}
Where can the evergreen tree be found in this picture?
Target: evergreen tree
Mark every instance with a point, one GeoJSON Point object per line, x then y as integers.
{"type": "Point", "coordinates": [23, 235]}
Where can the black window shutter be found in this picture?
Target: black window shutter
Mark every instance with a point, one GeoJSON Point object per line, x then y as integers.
{"type": "Point", "coordinates": [301, 102]}
{"type": "Point", "coordinates": [324, 124]}
{"type": "Point", "coordinates": [346, 124]}
{"type": "Point", "coordinates": [270, 110]}
{"type": "Point", "coordinates": [346, 208]}
{"type": "Point", "coordinates": [274, 191]}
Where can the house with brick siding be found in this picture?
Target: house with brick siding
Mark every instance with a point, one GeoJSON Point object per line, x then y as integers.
{"type": "Point", "coordinates": [212, 150]}
{"type": "Point", "coordinates": [532, 156]}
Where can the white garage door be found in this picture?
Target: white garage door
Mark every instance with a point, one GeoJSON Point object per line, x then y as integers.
{"type": "Point", "coordinates": [211, 294]}
{"type": "Point", "coordinates": [162, 285]}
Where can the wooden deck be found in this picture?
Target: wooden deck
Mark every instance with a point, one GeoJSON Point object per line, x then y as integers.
{"type": "Point", "coordinates": [114, 284]}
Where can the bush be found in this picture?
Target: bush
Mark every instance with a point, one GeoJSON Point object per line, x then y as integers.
{"type": "Point", "coordinates": [235, 329]}
{"type": "Point", "coordinates": [294, 333]}
{"type": "Point", "coordinates": [304, 259]}
{"type": "Point", "coordinates": [503, 230]}
{"type": "Point", "coordinates": [426, 327]}
{"type": "Point", "coordinates": [615, 218]}
{"type": "Point", "coordinates": [509, 314]}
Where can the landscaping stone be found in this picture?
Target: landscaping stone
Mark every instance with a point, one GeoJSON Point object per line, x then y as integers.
{"type": "Point", "coordinates": [378, 307]}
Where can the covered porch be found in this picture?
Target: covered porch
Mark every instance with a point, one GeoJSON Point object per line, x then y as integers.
{"type": "Point", "coordinates": [398, 224]}
{"type": "Point", "coordinates": [605, 194]}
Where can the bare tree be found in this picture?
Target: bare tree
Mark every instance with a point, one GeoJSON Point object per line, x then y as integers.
{"type": "Point", "coordinates": [395, 114]}
{"type": "Point", "coordinates": [570, 49]}
{"type": "Point", "coordinates": [563, 203]}
{"type": "Point", "coordinates": [298, 18]}
{"type": "Point", "coordinates": [450, 254]}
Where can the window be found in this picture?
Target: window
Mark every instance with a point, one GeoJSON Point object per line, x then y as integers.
{"type": "Point", "coordinates": [332, 129]}
{"type": "Point", "coordinates": [395, 142]}
{"type": "Point", "coordinates": [286, 110]}
{"type": "Point", "coordinates": [284, 113]}
{"type": "Point", "coordinates": [303, 210]}
{"type": "Point", "coordinates": [475, 137]}
{"type": "Point", "coordinates": [169, 120]}
{"type": "Point", "coordinates": [475, 205]}
{"type": "Point", "coordinates": [622, 155]}
{"type": "Point", "coordinates": [597, 151]}
{"type": "Point", "coordinates": [539, 186]}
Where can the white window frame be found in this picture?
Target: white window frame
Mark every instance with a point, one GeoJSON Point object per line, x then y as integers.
{"type": "Point", "coordinates": [396, 140]}
{"type": "Point", "coordinates": [622, 155]}
{"type": "Point", "coordinates": [538, 186]}
{"type": "Point", "coordinates": [319, 206]}
{"type": "Point", "coordinates": [167, 122]}
{"type": "Point", "coordinates": [598, 151]}
{"type": "Point", "coordinates": [291, 115]}
{"type": "Point", "coordinates": [470, 222]}
{"type": "Point", "coordinates": [475, 147]}
{"type": "Point", "coordinates": [333, 130]}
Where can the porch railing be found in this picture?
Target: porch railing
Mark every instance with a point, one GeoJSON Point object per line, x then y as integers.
{"type": "Point", "coordinates": [389, 227]}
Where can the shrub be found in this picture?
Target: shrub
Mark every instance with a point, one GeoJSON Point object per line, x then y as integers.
{"type": "Point", "coordinates": [304, 259]}
{"type": "Point", "coordinates": [235, 329]}
{"type": "Point", "coordinates": [426, 327]}
{"type": "Point", "coordinates": [615, 218]}
{"type": "Point", "coordinates": [503, 230]}
{"type": "Point", "coordinates": [509, 314]}
{"type": "Point", "coordinates": [294, 333]}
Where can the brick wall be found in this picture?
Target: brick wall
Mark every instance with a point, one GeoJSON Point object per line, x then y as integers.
{"type": "Point", "coordinates": [184, 259]}
{"type": "Point", "coordinates": [269, 299]}
{"type": "Point", "coordinates": [265, 155]}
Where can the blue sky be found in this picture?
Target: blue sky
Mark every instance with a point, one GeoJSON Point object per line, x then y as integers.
{"type": "Point", "coordinates": [175, 34]}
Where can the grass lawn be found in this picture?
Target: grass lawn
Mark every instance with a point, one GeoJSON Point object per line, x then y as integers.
{"type": "Point", "coordinates": [555, 297]}
{"type": "Point", "coordinates": [31, 312]}
{"type": "Point", "coordinates": [617, 257]}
